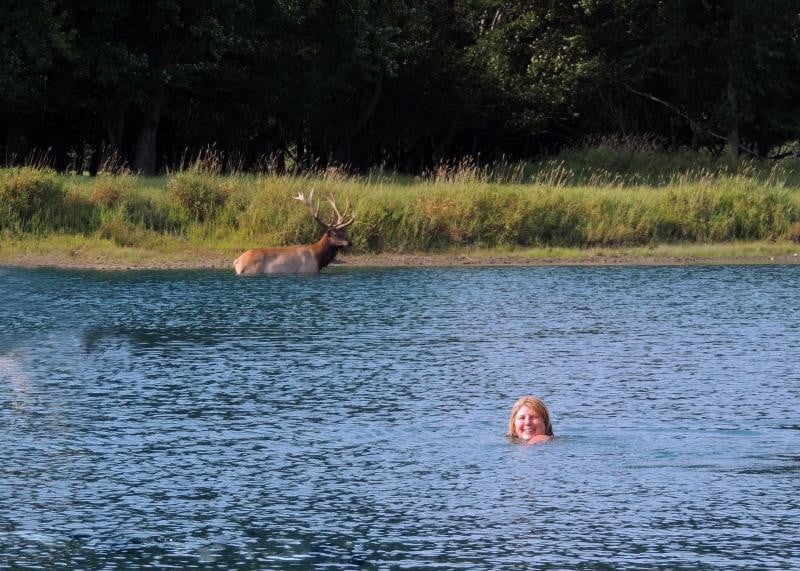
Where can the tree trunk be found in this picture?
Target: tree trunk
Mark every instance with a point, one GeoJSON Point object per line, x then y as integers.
{"type": "Point", "coordinates": [145, 156]}
{"type": "Point", "coordinates": [695, 137]}
{"type": "Point", "coordinates": [13, 137]}
{"type": "Point", "coordinates": [733, 128]}
{"type": "Point", "coordinates": [115, 128]}
{"type": "Point", "coordinates": [342, 154]}
{"type": "Point", "coordinates": [733, 101]}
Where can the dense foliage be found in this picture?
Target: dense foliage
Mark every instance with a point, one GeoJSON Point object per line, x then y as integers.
{"type": "Point", "coordinates": [401, 84]}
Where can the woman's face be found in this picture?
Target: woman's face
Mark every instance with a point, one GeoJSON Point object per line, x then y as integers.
{"type": "Point", "coordinates": [528, 423]}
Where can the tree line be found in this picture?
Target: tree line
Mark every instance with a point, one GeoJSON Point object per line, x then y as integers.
{"type": "Point", "coordinates": [400, 84]}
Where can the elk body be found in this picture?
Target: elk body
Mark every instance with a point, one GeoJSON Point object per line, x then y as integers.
{"type": "Point", "coordinates": [306, 259]}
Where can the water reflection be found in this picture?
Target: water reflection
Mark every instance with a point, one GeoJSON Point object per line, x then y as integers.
{"type": "Point", "coordinates": [357, 419]}
{"type": "Point", "coordinates": [12, 373]}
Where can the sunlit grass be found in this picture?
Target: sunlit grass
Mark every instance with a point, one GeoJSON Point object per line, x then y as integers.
{"type": "Point", "coordinates": [739, 252]}
{"type": "Point", "coordinates": [82, 251]}
{"type": "Point", "coordinates": [580, 205]}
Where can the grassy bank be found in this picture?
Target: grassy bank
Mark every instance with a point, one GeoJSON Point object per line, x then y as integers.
{"type": "Point", "coordinates": [596, 200]}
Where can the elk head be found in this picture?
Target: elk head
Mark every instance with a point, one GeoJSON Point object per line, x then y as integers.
{"type": "Point", "coordinates": [334, 231]}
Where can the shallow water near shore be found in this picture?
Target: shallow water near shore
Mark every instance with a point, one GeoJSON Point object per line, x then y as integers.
{"type": "Point", "coordinates": [356, 419]}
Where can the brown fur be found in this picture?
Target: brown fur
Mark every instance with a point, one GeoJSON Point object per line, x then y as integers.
{"type": "Point", "coordinates": [306, 259]}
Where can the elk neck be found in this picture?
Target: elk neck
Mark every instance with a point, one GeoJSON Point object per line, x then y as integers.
{"type": "Point", "coordinates": [324, 250]}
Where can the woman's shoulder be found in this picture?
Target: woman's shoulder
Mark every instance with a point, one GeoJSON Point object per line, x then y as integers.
{"type": "Point", "coordinates": [540, 439]}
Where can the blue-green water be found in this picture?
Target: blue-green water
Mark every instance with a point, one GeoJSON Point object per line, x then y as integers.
{"type": "Point", "coordinates": [356, 419]}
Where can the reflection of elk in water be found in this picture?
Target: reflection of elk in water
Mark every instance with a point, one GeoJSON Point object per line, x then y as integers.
{"type": "Point", "coordinates": [307, 259]}
{"type": "Point", "coordinates": [11, 370]}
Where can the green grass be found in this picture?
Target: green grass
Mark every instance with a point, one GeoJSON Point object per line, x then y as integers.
{"type": "Point", "coordinates": [603, 197]}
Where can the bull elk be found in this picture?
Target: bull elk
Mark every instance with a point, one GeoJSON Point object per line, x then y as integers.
{"type": "Point", "coordinates": [306, 259]}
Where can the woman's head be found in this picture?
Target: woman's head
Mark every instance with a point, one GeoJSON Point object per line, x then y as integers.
{"type": "Point", "coordinates": [529, 416]}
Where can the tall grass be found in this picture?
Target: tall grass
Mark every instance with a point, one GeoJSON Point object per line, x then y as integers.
{"type": "Point", "coordinates": [634, 163]}
{"type": "Point", "coordinates": [603, 196]}
{"type": "Point", "coordinates": [36, 200]}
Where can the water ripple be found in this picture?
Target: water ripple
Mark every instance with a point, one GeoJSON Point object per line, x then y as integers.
{"type": "Point", "coordinates": [355, 419]}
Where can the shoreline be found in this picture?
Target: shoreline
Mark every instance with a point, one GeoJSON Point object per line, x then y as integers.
{"type": "Point", "coordinates": [156, 261]}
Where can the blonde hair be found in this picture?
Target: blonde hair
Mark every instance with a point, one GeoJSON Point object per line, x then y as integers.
{"type": "Point", "coordinates": [536, 405]}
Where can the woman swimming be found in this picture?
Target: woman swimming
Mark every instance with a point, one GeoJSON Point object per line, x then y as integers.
{"type": "Point", "coordinates": [530, 421]}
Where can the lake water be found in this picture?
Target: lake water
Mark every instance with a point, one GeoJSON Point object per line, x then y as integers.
{"type": "Point", "coordinates": [356, 419]}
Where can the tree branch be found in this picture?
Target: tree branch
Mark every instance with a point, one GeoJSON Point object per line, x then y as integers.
{"type": "Point", "coordinates": [693, 122]}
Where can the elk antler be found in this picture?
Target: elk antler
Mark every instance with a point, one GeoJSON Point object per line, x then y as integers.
{"type": "Point", "coordinates": [314, 210]}
{"type": "Point", "coordinates": [340, 223]}
{"type": "Point", "coordinates": [309, 204]}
